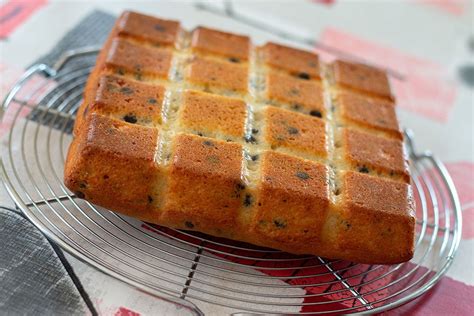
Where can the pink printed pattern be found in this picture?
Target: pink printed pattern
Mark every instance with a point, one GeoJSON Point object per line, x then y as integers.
{"type": "Point", "coordinates": [31, 90]}
{"type": "Point", "coordinates": [325, 2]}
{"type": "Point", "coordinates": [454, 7]}
{"type": "Point", "coordinates": [15, 12]}
{"type": "Point", "coordinates": [123, 311]}
{"type": "Point", "coordinates": [424, 90]}
{"type": "Point", "coordinates": [463, 177]}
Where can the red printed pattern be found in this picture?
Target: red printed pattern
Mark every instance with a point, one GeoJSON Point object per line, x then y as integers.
{"type": "Point", "coordinates": [15, 12]}
{"type": "Point", "coordinates": [122, 311]}
{"type": "Point", "coordinates": [424, 89]}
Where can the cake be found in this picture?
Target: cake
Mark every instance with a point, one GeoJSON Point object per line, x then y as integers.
{"type": "Point", "coordinates": [268, 145]}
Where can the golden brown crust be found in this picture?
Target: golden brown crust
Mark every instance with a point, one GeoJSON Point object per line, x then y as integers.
{"type": "Point", "coordinates": [106, 153]}
{"type": "Point", "coordinates": [384, 204]}
{"type": "Point", "coordinates": [375, 152]}
{"type": "Point", "coordinates": [374, 114]}
{"type": "Point", "coordinates": [297, 93]}
{"type": "Point", "coordinates": [141, 61]}
{"type": "Point", "coordinates": [295, 131]}
{"type": "Point", "coordinates": [204, 175]}
{"type": "Point", "coordinates": [236, 47]}
{"type": "Point", "coordinates": [269, 176]}
{"type": "Point", "coordinates": [362, 78]}
{"type": "Point", "coordinates": [297, 62]}
{"type": "Point", "coordinates": [222, 75]}
{"type": "Point", "coordinates": [289, 183]}
{"type": "Point", "coordinates": [129, 100]}
{"type": "Point", "coordinates": [209, 114]}
{"type": "Point", "coordinates": [148, 29]}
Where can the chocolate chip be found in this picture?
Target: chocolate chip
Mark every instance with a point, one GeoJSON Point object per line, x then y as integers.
{"type": "Point", "coordinates": [316, 113]}
{"type": "Point", "coordinates": [254, 131]}
{"type": "Point", "coordinates": [346, 225]}
{"type": "Point", "coordinates": [150, 199]}
{"type": "Point", "coordinates": [160, 28]}
{"type": "Point", "coordinates": [254, 157]}
{"type": "Point", "coordinates": [152, 101]}
{"type": "Point", "coordinates": [208, 143]}
{"type": "Point", "coordinates": [189, 224]}
{"type": "Point", "coordinates": [240, 186]}
{"type": "Point", "coordinates": [294, 92]}
{"type": "Point", "coordinates": [79, 194]}
{"type": "Point", "coordinates": [292, 130]}
{"type": "Point", "coordinates": [213, 159]}
{"type": "Point", "coordinates": [138, 72]}
{"type": "Point", "coordinates": [303, 175]}
{"type": "Point", "coordinates": [296, 106]}
{"type": "Point", "coordinates": [130, 118]}
{"type": "Point", "coordinates": [83, 185]}
{"type": "Point", "coordinates": [234, 60]}
{"type": "Point", "coordinates": [120, 71]}
{"type": "Point", "coordinates": [126, 90]}
{"type": "Point", "coordinates": [247, 200]}
{"type": "Point", "coordinates": [304, 76]}
{"type": "Point", "coordinates": [111, 87]}
{"type": "Point", "coordinates": [363, 169]}
{"type": "Point", "coordinates": [279, 223]}
{"type": "Point", "coordinates": [200, 134]}
{"type": "Point", "coordinates": [250, 139]}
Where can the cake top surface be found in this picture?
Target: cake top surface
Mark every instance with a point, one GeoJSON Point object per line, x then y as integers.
{"type": "Point", "coordinates": [273, 116]}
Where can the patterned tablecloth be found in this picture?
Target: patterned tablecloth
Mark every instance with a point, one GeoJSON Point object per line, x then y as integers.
{"type": "Point", "coordinates": [428, 46]}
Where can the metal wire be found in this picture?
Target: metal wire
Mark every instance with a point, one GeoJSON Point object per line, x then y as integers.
{"type": "Point", "coordinates": [191, 267]}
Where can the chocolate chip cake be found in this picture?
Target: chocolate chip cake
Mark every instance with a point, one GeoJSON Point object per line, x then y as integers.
{"type": "Point", "coordinates": [204, 131]}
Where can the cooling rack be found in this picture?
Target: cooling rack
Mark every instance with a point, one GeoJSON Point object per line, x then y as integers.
{"type": "Point", "coordinates": [191, 268]}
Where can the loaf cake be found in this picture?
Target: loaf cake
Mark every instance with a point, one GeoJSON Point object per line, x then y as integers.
{"type": "Point", "coordinates": [204, 131]}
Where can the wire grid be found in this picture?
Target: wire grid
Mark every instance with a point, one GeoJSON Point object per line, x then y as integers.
{"type": "Point", "coordinates": [190, 267]}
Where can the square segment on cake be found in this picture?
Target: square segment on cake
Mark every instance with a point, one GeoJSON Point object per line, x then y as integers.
{"type": "Point", "coordinates": [148, 29]}
{"type": "Point", "coordinates": [295, 93]}
{"type": "Point", "coordinates": [204, 131]}
{"type": "Point", "coordinates": [300, 63]}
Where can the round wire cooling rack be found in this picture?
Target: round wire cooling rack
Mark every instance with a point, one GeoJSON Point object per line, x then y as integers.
{"type": "Point", "coordinates": [190, 268]}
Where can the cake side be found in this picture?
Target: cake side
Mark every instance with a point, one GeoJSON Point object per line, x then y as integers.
{"type": "Point", "coordinates": [202, 131]}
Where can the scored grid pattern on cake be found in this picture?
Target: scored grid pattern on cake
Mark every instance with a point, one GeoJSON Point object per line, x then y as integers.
{"type": "Point", "coordinates": [258, 122]}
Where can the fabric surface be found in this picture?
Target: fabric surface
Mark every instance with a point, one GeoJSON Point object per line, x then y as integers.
{"type": "Point", "coordinates": [33, 279]}
{"type": "Point", "coordinates": [91, 31]}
